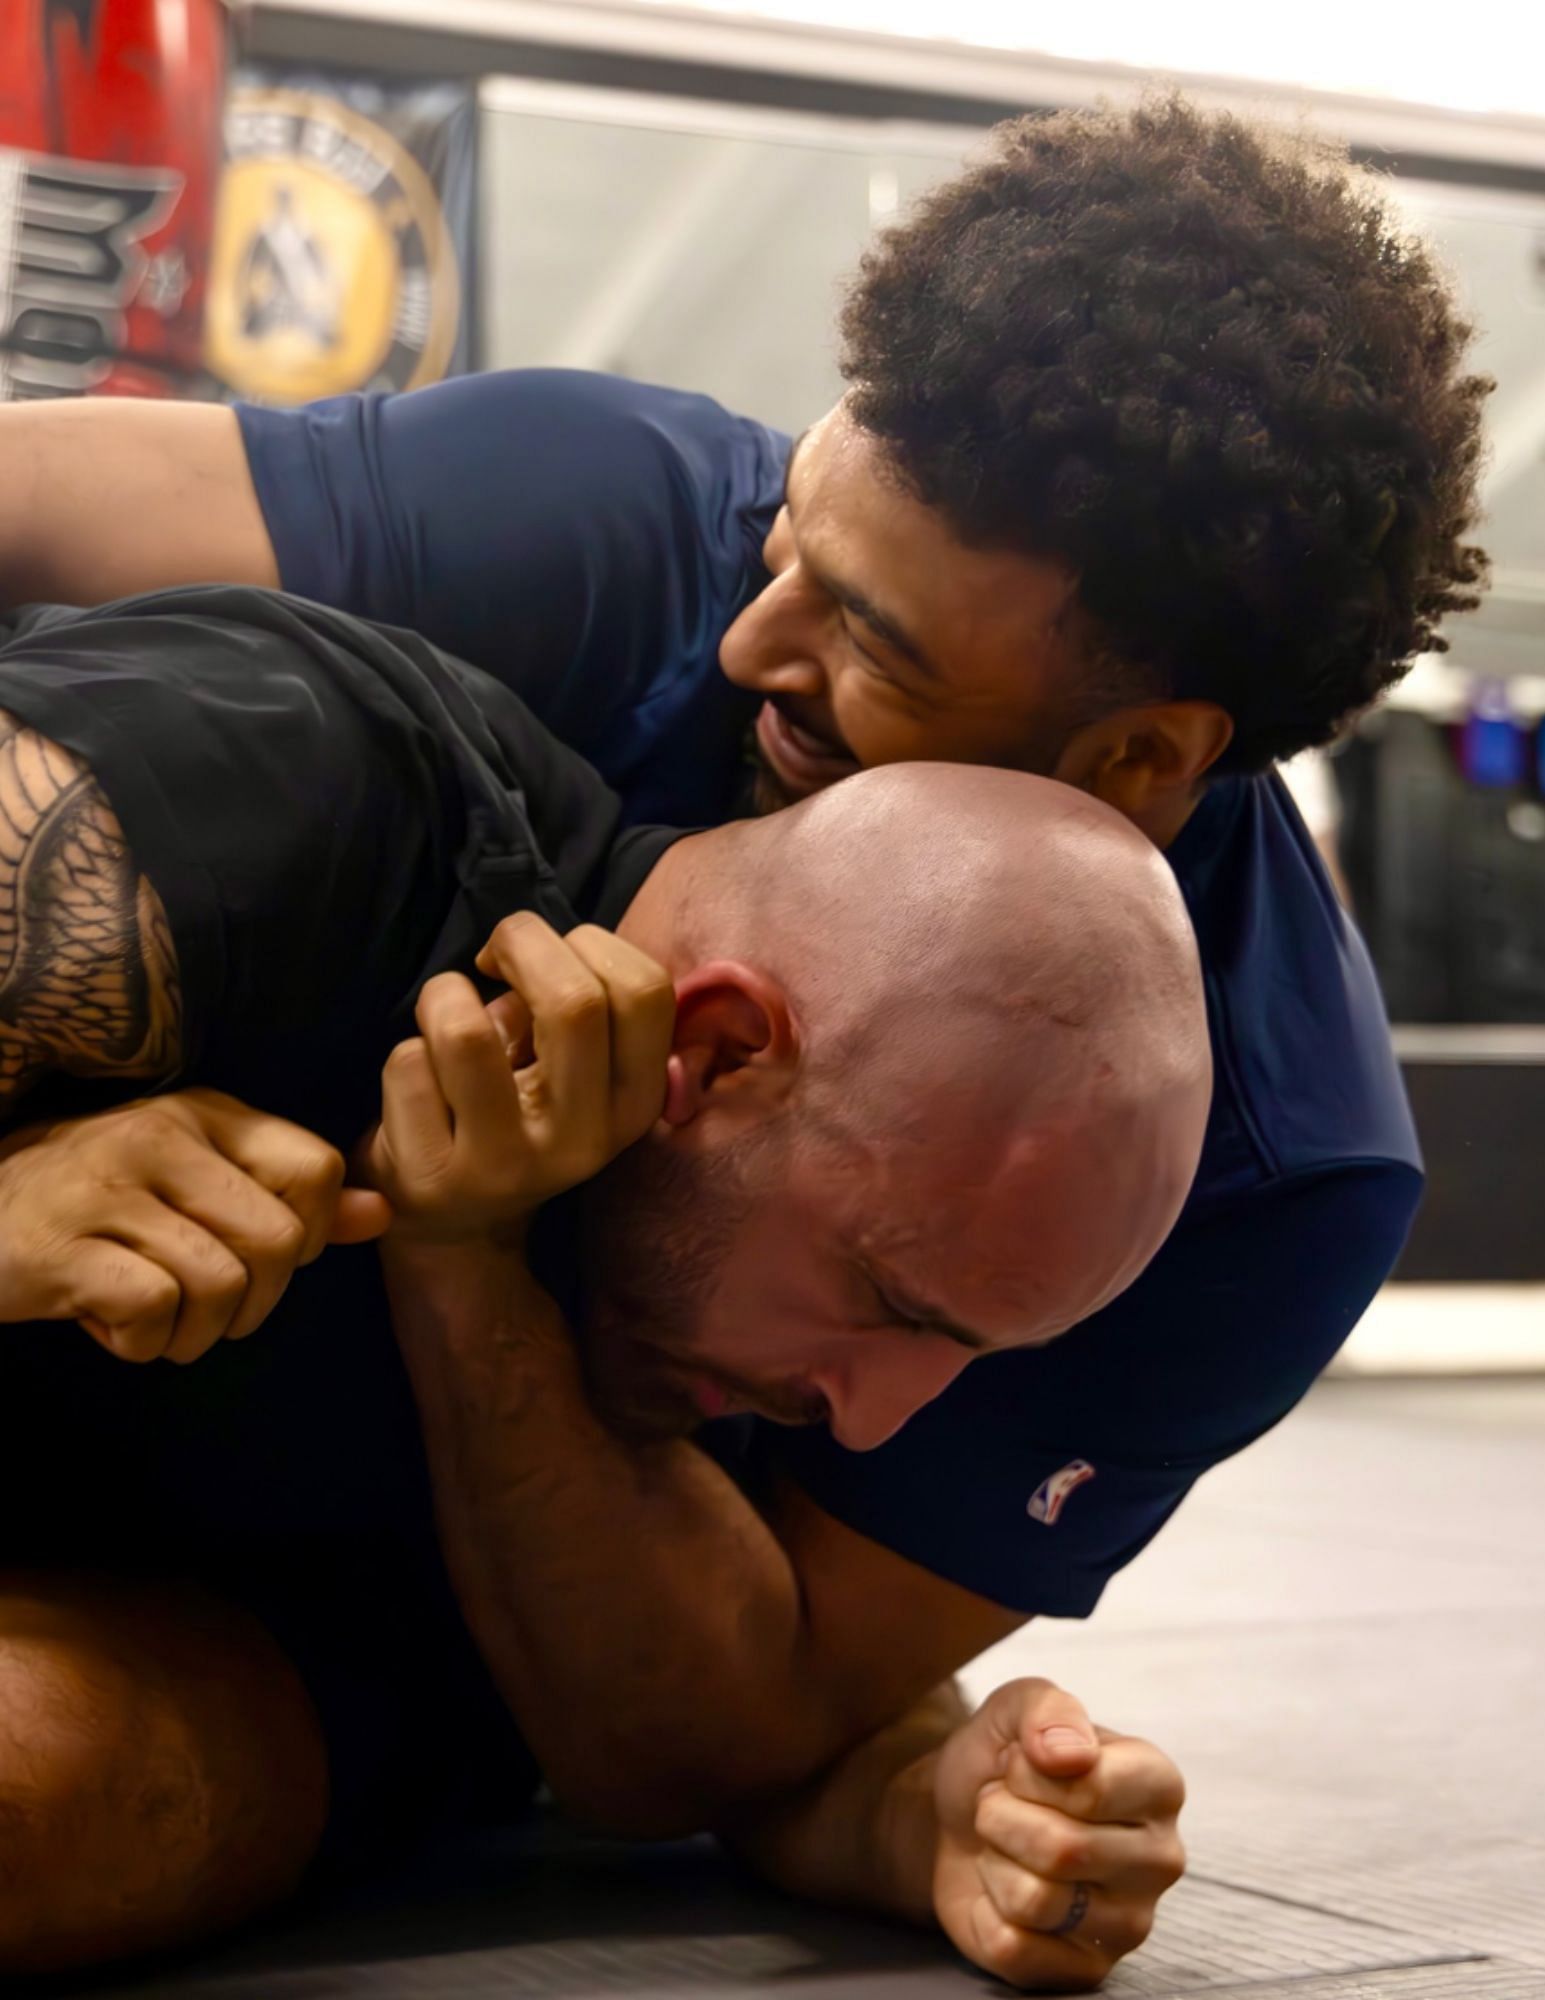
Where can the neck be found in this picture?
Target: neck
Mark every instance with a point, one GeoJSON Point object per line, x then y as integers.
{"type": "Point", "coordinates": [1164, 821]}
{"type": "Point", "coordinates": [651, 921]}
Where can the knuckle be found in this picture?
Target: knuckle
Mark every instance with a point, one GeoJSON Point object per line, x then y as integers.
{"type": "Point", "coordinates": [218, 1277]}
{"type": "Point", "coordinates": [158, 1294]}
{"type": "Point", "coordinates": [319, 1171]}
{"type": "Point", "coordinates": [144, 1289]}
{"type": "Point", "coordinates": [200, 1098]}
{"type": "Point", "coordinates": [1088, 1801]}
{"type": "Point", "coordinates": [1171, 1861]}
{"type": "Point", "coordinates": [405, 1057]}
{"type": "Point", "coordinates": [995, 1814]}
{"type": "Point", "coordinates": [284, 1236]}
{"type": "Point", "coordinates": [1067, 1853]}
{"type": "Point", "coordinates": [138, 1294]}
{"type": "Point", "coordinates": [153, 1123]}
{"type": "Point", "coordinates": [996, 1943]}
{"type": "Point", "coordinates": [438, 1002]}
{"type": "Point", "coordinates": [465, 1034]}
{"type": "Point", "coordinates": [653, 993]}
{"type": "Point", "coordinates": [1137, 1928]}
{"type": "Point", "coordinates": [137, 1345]}
{"type": "Point", "coordinates": [579, 1003]}
{"type": "Point", "coordinates": [1035, 1904]}
{"type": "Point", "coordinates": [1015, 1964]}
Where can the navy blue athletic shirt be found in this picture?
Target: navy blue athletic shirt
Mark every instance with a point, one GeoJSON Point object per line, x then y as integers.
{"type": "Point", "coordinates": [588, 540]}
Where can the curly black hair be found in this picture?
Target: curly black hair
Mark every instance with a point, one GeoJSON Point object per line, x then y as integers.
{"type": "Point", "coordinates": [1196, 359]}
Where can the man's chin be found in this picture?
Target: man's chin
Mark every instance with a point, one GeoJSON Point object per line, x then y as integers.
{"type": "Point", "coordinates": [769, 793]}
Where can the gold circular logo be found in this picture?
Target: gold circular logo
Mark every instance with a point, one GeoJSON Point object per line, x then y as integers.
{"type": "Point", "coordinates": [332, 266]}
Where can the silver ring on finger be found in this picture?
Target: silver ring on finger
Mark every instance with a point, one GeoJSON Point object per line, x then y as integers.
{"type": "Point", "coordinates": [1078, 1909]}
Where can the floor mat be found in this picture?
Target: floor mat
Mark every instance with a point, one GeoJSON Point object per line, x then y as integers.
{"type": "Point", "coordinates": [1339, 1640]}
{"type": "Point", "coordinates": [544, 1917]}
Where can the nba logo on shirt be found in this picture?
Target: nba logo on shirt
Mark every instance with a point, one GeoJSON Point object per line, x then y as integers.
{"type": "Point", "coordinates": [1049, 1498]}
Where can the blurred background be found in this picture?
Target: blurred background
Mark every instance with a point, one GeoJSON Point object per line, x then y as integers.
{"type": "Point", "coordinates": [286, 199]}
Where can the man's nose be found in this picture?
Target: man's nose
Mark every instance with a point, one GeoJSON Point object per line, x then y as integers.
{"type": "Point", "coordinates": [774, 645]}
{"type": "Point", "coordinates": [870, 1398]}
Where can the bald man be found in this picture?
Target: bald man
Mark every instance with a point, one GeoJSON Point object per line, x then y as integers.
{"type": "Point", "coordinates": [924, 1076]}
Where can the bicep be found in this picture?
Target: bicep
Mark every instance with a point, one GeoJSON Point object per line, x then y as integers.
{"type": "Point", "coordinates": [879, 1631]}
{"type": "Point", "coordinates": [107, 497]}
{"type": "Point", "coordinates": [576, 536]}
{"type": "Point", "coordinates": [88, 969]}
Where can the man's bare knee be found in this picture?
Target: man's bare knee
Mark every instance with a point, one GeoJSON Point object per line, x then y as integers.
{"type": "Point", "coordinates": [161, 1771]}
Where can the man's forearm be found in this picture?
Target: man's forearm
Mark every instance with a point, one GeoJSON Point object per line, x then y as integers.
{"type": "Point", "coordinates": [864, 1834]}
{"type": "Point", "coordinates": [105, 497]}
{"type": "Point", "coordinates": [639, 1616]}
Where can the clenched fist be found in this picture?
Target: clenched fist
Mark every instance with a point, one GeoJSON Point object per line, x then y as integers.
{"type": "Point", "coordinates": [492, 1110]}
{"type": "Point", "coordinates": [169, 1224]}
{"type": "Point", "coordinates": [1056, 1839]}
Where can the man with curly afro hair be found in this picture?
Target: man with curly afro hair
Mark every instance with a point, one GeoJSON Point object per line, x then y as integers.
{"type": "Point", "coordinates": [1198, 366]}
{"type": "Point", "coordinates": [1156, 464]}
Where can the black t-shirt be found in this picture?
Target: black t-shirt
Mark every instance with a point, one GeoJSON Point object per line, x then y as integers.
{"type": "Point", "coordinates": [331, 812]}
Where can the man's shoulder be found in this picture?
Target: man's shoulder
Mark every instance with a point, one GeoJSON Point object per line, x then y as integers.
{"type": "Point", "coordinates": [1306, 1076]}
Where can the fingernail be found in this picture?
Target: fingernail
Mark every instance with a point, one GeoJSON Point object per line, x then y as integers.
{"type": "Point", "coordinates": [1061, 1737]}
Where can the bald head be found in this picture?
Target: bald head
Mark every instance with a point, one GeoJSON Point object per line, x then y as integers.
{"type": "Point", "coordinates": [989, 961]}
{"type": "Point", "coordinates": [982, 1055]}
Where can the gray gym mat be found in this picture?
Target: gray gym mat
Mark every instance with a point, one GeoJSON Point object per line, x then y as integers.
{"type": "Point", "coordinates": [1211, 1936]}
{"type": "Point", "coordinates": [545, 1916]}
{"type": "Point", "coordinates": [1464, 1982]}
{"type": "Point", "coordinates": [1341, 1641]}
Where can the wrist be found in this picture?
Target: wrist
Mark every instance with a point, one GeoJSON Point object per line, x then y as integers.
{"type": "Point", "coordinates": [907, 1840]}
{"type": "Point", "coordinates": [456, 1266]}
{"type": "Point", "coordinates": [475, 1299]}
{"type": "Point", "coordinates": [426, 1235]}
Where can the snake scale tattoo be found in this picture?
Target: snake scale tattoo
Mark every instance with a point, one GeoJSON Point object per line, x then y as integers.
{"type": "Point", "coordinates": [88, 968]}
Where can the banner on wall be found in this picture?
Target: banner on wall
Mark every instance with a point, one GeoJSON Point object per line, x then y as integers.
{"type": "Point", "coordinates": [109, 154]}
{"type": "Point", "coordinates": [343, 248]}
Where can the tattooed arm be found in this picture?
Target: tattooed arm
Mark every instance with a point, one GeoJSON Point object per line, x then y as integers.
{"type": "Point", "coordinates": [88, 969]}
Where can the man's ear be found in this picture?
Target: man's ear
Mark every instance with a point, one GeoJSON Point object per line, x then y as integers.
{"type": "Point", "coordinates": [736, 1045]}
{"type": "Point", "coordinates": [1144, 760]}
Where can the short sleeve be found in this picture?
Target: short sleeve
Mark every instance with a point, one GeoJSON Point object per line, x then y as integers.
{"type": "Point", "coordinates": [287, 807]}
{"type": "Point", "coordinates": [584, 539]}
{"type": "Point", "coordinates": [1041, 1473]}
